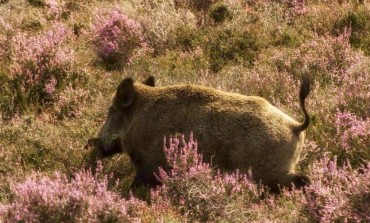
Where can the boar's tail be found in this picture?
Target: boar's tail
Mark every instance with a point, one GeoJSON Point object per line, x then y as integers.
{"type": "Point", "coordinates": [303, 92]}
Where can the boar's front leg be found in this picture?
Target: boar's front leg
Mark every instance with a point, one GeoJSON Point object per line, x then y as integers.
{"type": "Point", "coordinates": [142, 178]}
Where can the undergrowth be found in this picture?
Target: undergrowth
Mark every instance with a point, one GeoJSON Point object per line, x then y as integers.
{"type": "Point", "coordinates": [60, 62]}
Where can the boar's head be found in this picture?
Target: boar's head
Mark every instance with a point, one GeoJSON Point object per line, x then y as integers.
{"type": "Point", "coordinates": [109, 138]}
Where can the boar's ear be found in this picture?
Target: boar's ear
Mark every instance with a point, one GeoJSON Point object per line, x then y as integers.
{"type": "Point", "coordinates": [150, 81]}
{"type": "Point", "coordinates": [126, 94]}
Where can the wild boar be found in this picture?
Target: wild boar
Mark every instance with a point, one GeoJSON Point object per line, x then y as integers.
{"type": "Point", "coordinates": [235, 131]}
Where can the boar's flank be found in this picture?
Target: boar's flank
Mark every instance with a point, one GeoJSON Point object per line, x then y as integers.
{"type": "Point", "coordinates": [236, 131]}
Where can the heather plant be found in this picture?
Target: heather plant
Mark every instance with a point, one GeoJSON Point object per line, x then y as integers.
{"type": "Point", "coordinates": [191, 187]}
{"type": "Point", "coordinates": [353, 135]}
{"type": "Point", "coordinates": [240, 39]}
{"type": "Point", "coordinates": [287, 10]}
{"type": "Point", "coordinates": [277, 23]}
{"type": "Point", "coordinates": [201, 195]}
{"type": "Point", "coordinates": [62, 10]}
{"type": "Point", "coordinates": [327, 58]}
{"type": "Point", "coordinates": [32, 23]}
{"type": "Point", "coordinates": [259, 47]}
{"type": "Point", "coordinates": [117, 38]}
{"type": "Point", "coordinates": [55, 9]}
{"type": "Point", "coordinates": [84, 198]}
{"type": "Point", "coordinates": [295, 7]}
{"type": "Point", "coordinates": [19, 19]}
{"type": "Point", "coordinates": [342, 80]}
{"type": "Point", "coordinates": [38, 68]}
{"type": "Point", "coordinates": [339, 193]}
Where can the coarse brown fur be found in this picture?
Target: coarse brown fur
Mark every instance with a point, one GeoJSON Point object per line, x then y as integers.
{"type": "Point", "coordinates": [233, 131]}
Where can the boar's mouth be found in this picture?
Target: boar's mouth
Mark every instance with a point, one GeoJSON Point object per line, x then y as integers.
{"type": "Point", "coordinates": [113, 148]}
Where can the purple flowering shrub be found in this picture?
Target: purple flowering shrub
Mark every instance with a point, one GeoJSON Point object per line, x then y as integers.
{"type": "Point", "coordinates": [192, 191]}
{"type": "Point", "coordinates": [55, 9]}
{"type": "Point", "coordinates": [353, 135]}
{"type": "Point", "coordinates": [84, 198]}
{"type": "Point", "coordinates": [338, 193]}
{"type": "Point", "coordinates": [38, 67]}
{"type": "Point", "coordinates": [117, 37]}
{"type": "Point", "coordinates": [202, 195]}
{"type": "Point", "coordinates": [45, 51]}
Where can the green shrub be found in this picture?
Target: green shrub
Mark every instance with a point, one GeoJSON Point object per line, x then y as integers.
{"type": "Point", "coordinates": [219, 13]}
{"type": "Point", "coordinates": [232, 45]}
{"type": "Point", "coordinates": [358, 20]}
{"type": "Point", "coordinates": [31, 24]}
{"type": "Point", "coordinates": [5, 95]}
{"type": "Point", "coordinates": [188, 38]}
{"type": "Point", "coordinates": [287, 37]}
{"type": "Point", "coordinates": [37, 3]}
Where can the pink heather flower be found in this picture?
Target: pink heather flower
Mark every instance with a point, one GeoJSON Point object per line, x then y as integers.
{"type": "Point", "coordinates": [340, 83]}
{"type": "Point", "coordinates": [117, 37]}
{"type": "Point", "coordinates": [40, 66]}
{"type": "Point", "coordinates": [6, 26]}
{"type": "Point", "coordinates": [338, 193]}
{"type": "Point", "coordinates": [50, 86]}
{"type": "Point", "coordinates": [54, 8]}
{"type": "Point", "coordinates": [352, 131]}
{"type": "Point", "coordinates": [33, 58]}
{"type": "Point", "coordinates": [191, 186]}
{"type": "Point", "coordinates": [84, 198]}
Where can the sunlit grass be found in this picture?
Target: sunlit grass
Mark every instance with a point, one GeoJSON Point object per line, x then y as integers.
{"type": "Point", "coordinates": [60, 65]}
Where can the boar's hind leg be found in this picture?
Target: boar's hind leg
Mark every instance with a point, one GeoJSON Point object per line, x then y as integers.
{"type": "Point", "coordinates": [300, 180]}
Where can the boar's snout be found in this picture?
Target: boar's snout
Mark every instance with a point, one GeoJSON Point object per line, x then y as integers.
{"type": "Point", "coordinates": [94, 143]}
{"type": "Point", "coordinates": [90, 143]}
{"type": "Point", "coordinates": [105, 150]}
